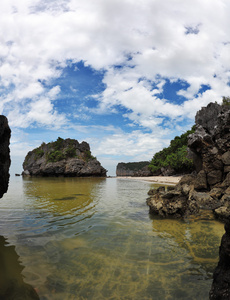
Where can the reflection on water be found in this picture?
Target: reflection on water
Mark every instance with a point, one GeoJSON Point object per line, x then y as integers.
{"type": "Point", "coordinates": [12, 285]}
{"type": "Point", "coordinates": [92, 238]}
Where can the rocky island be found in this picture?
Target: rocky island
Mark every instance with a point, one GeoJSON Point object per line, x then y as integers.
{"type": "Point", "coordinates": [62, 158]}
{"type": "Point", "coordinates": [133, 169]}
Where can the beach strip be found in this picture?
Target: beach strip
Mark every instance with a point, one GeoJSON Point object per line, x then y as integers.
{"type": "Point", "coordinates": [155, 179]}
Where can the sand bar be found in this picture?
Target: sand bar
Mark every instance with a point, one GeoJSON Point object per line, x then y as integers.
{"type": "Point", "coordinates": [156, 179]}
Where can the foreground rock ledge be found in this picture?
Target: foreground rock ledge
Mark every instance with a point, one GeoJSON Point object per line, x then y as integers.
{"type": "Point", "coordinates": [62, 158]}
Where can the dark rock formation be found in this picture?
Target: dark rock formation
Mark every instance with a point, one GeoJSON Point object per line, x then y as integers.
{"type": "Point", "coordinates": [221, 278]}
{"type": "Point", "coordinates": [208, 189]}
{"type": "Point", "coordinates": [12, 282]}
{"type": "Point", "coordinates": [5, 133]}
{"type": "Point", "coordinates": [138, 169]}
{"type": "Point", "coordinates": [62, 158]}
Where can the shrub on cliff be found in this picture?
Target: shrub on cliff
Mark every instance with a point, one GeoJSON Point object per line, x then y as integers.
{"type": "Point", "coordinates": [55, 156]}
{"type": "Point", "coordinates": [226, 100]}
{"type": "Point", "coordinates": [174, 156]}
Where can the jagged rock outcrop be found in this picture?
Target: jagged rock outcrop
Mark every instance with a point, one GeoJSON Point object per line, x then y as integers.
{"type": "Point", "coordinates": [138, 169]}
{"type": "Point", "coordinates": [209, 147]}
{"type": "Point", "coordinates": [62, 158]}
{"type": "Point", "coordinates": [5, 134]}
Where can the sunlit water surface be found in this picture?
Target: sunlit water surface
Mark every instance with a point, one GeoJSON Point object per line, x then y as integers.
{"type": "Point", "coordinates": [93, 238]}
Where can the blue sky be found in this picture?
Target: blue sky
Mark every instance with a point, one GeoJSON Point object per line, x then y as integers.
{"type": "Point", "coordinates": [125, 76]}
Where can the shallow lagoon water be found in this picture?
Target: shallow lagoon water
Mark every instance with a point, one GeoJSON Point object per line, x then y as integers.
{"type": "Point", "coordinates": [93, 238]}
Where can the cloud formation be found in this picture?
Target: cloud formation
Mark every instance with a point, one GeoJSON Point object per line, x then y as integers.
{"type": "Point", "coordinates": [139, 45]}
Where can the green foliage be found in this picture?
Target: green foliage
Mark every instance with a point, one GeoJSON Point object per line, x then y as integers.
{"type": "Point", "coordinates": [70, 151]}
{"type": "Point", "coordinates": [60, 150]}
{"type": "Point", "coordinates": [55, 155]}
{"type": "Point", "coordinates": [38, 153]}
{"type": "Point", "coordinates": [88, 155]}
{"type": "Point", "coordinates": [226, 101]}
{"type": "Point", "coordinates": [58, 144]}
{"type": "Point", "coordinates": [134, 166]}
{"type": "Point", "coordinates": [174, 156]}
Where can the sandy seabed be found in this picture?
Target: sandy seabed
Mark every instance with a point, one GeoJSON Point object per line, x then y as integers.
{"type": "Point", "coordinates": [156, 179]}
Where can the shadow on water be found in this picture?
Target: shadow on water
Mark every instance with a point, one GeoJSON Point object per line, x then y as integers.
{"type": "Point", "coordinates": [12, 285]}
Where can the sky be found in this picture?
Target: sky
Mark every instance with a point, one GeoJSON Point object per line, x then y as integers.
{"type": "Point", "coordinates": [126, 76]}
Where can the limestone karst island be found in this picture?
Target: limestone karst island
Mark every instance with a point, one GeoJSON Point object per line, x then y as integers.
{"type": "Point", "coordinates": [62, 158]}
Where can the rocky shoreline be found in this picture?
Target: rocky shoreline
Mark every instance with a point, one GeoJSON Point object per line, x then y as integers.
{"type": "Point", "coordinates": [209, 187]}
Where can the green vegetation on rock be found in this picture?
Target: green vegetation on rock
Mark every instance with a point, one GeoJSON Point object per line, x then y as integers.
{"type": "Point", "coordinates": [58, 150]}
{"type": "Point", "coordinates": [38, 153]}
{"type": "Point", "coordinates": [70, 151]}
{"type": "Point", "coordinates": [89, 156]}
{"type": "Point", "coordinates": [174, 156]}
{"type": "Point", "coordinates": [134, 166]}
{"type": "Point", "coordinates": [226, 100]}
{"type": "Point", "coordinates": [55, 156]}
{"type": "Point", "coordinates": [58, 144]}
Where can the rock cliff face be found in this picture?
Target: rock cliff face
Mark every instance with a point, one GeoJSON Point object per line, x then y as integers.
{"type": "Point", "coordinates": [5, 133]}
{"type": "Point", "coordinates": [62, 158]}
{"type": "Point", "coordinates": [133, 169]}
{"type": "Point", "coordinates": [209, 147]}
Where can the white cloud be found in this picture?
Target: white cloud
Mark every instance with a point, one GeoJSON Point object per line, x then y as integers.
{"type": "Point", "coordinates": [129, 144]}
{"type": "Point", "coordinates": [149, 40]}
{"type": "Point", "coordinates": [37, 37]}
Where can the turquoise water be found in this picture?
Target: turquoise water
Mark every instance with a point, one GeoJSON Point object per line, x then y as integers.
{"type": "Point", "coordinates": [93, 238]}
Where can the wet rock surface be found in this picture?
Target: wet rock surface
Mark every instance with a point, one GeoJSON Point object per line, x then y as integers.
{"type": "Point", "coordinates": [62, 158]}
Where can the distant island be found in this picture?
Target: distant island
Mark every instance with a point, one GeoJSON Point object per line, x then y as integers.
{"type": "Point", "coordinates": [64, 157]}
{"type": "Point", "coordinates": [133, 169]}
{"type": "Point", "coordinates": [173, 160]}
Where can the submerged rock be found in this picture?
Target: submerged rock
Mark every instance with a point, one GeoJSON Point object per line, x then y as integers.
{"type": "Point", "coordinates": [62, 158]}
